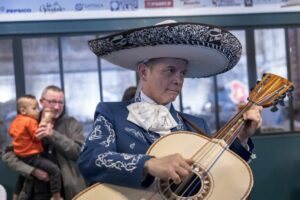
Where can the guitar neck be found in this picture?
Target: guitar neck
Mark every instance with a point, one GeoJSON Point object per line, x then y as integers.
{"type": "Point", "coordinates": [233, 127]}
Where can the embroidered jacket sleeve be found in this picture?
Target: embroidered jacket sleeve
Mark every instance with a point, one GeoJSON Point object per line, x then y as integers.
{"type": "Point", "coordinates": [100, 159]}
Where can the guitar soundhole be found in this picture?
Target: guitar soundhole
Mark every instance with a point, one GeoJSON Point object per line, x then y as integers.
{"type": "Point", "coordinates": [192, 187]}
{"type": "Point", "coordinates": [187, 189]}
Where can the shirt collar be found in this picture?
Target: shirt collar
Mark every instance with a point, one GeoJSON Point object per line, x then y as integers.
{"type": "Point", "coordinates": [145, 98]}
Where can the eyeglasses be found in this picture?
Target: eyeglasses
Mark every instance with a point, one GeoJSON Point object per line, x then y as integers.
{"type": "Point", "coordinates": [54, 102]}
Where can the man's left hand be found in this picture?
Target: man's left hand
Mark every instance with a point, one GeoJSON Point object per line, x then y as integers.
{"type": "Point", "coordinates": [253, 122]}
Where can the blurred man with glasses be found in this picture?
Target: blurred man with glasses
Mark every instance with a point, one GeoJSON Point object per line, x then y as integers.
{"type": "Point", "coordinates": [62, 146]}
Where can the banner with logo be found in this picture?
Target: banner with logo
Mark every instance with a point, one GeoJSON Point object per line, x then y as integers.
{"type": "Point", "coordinates": [30, 10]}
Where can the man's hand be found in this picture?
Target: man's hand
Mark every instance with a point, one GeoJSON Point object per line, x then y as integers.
{"type": "Point", "coordinates": [40, 174]}
{"type": "Point", "coordinates": [253, 122]}
{"type": "Point", "coordinates": [173, 166]}
{"type": "Point", "coordinates": [44, 130]}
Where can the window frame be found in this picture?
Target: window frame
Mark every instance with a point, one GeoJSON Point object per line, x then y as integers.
{"type": "Point", "coordinates": [248, 23]}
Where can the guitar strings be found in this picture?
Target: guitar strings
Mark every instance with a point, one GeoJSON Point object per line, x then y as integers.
{"type": "Point", "coordinates": [205, 152]}
{"type": "Point", "coordinates": [203, 175]}
{"type": "Point", "coordinates": [211, 162]}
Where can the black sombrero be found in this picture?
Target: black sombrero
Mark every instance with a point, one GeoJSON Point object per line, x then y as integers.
{"type": "Point", "coordinates": [209, 50]}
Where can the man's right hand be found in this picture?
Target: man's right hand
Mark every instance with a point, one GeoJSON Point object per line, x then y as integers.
{"type": "Point", "coordinates": [44, 130]}
{"type": "Point", "coordinates": [40, 174]}
{"type": "Point", "coordinates": [173, 166]}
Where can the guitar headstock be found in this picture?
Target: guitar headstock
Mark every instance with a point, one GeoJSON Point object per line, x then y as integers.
{"type": "Point", "coordinates": [271, 90]}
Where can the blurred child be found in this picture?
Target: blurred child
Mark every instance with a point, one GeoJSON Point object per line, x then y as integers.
{"type": "Point", "coordinates": [27, 146]}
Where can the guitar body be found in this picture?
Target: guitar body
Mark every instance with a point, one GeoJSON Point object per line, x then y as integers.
{"type": "Point", "coordinates": [230, 178]}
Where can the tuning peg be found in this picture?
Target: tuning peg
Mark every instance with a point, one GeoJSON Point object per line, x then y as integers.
{"type": "Point", "coordinates": [282, 96]}
{"type": "Point", "coordinates": [274, 108]}
{"type": "Point", "coordinates": [290, 89]}
{"type": "Point", "coordinates": [281, 102]}
{"type": "Point", "coordinates": [290, 95]}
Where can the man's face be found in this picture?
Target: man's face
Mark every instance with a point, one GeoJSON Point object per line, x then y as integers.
{"type": "Point", "coordinates": [55, 101]}
{"type": "Point", "coordinates": [162, 79]}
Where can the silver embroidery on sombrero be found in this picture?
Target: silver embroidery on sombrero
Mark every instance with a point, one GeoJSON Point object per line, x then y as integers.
{"type": "Point", "coordinates": [129, 163]}
{"type": "Point", "coordinates": [174, 34]}
{"type": "Point", "coordinates": [97, 132]}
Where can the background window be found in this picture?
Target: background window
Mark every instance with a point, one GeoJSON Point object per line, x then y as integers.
{"type": "Point", "coordinates": [270, 52]}
{"type": "Point", "coordinates": [270, 48]}
{"type": "Point", "coordinates": [294, 58]}
{"type": "Point", "coordinates": [115, 80]}
{"type": "Point", "coordinates": [198, 99]}
{"type": "Point", "coordinates": [233, 85]}
{"type": "Point", "coordinates": [41, 64]}
{"type": "Point", "coordinates": [81, 79]}
{"type": "Point", "coordinates": [7, 91]}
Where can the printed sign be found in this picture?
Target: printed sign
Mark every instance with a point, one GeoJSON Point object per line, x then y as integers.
{"type": "Point", "coordinates": [123, 5]}
{"type": "Point", "coordinates": [32, 10]}
{"type": "Point", "coordinates": [159, 3]}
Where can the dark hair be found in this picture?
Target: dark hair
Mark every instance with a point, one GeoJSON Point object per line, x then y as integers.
{"type": "Point", "coordinates": [20, 100]}
{"type": "Point", "coordinates": [129, 93]}
{"type": "Point", "coordinates": [27, 96]}
{"type": "Point", "coordinates": [52, 88]}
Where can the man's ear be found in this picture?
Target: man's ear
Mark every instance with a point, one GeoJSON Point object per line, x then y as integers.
{"type": "Point", "coordinates": [142, 70]}
{"type": "Point", "coordinates": [41, 101]}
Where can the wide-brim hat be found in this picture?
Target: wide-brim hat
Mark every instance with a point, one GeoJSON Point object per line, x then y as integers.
{"type": "Point", "coordinates": [209, 50]}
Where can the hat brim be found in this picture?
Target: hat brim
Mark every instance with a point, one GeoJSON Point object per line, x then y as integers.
{"type": "Point", "coordinates": [208, 53]}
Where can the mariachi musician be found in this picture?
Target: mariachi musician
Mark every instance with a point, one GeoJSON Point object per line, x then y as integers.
{"type": "Point", "coordinates": [163, 55]}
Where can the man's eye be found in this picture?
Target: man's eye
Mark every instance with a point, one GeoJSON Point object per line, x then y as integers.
{"type": "Point", "coordinates": [184, 73]}
{"type": "Point", "coordinates": [170, 70]}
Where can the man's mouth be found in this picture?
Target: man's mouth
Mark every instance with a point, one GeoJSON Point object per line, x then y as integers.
{"type": "Point", "coordinates": [174, 91]}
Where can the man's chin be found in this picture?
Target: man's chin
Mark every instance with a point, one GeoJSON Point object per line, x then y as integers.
{"type": "Point", "coordinates": [173, 95]}
{"type": "Point", "coordinates": [170, 99]}
{"type": "Point", "coordinates": [56, 115]}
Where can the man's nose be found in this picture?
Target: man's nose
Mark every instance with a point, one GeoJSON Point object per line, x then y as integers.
{"type": "Point", "coordinates": [178, 79]}
{"type": "Point", "coordinates": [56, 105]}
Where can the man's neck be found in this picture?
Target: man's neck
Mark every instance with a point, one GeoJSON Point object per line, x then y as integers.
{"type": "Point", "coordinates": [145, 98]}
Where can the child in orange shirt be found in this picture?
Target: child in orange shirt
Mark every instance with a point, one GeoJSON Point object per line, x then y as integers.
{"type": "Point", "coordinates": [27, 147]}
